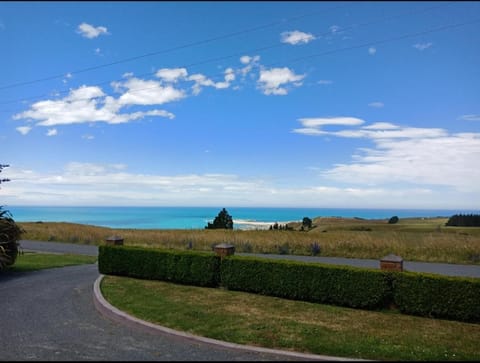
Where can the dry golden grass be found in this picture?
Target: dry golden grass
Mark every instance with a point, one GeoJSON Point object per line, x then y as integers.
{"type": "Point", "coordinates": [417, 239]}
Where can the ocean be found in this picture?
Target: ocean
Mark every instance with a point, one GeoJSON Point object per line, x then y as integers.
{"type": "Point", "coordinates": [198, 217]}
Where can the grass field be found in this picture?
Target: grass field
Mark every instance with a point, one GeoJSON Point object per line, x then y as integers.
{"type": "Point", "coordinates": [415, 239]}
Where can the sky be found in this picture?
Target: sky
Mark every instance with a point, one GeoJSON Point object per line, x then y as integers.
{"type": "Point", "coordinates": [276, 104]}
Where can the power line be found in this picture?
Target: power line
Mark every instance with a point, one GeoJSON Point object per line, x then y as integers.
{"type": "Point", "coordinates": [338, 50]}
{"type": "Point", "coordinates": [257, 50]}
{"type": "Point", "coordinates": [168, 50]}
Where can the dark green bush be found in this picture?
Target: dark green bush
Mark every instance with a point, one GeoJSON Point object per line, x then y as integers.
{"type": "Point", "coordinates": [455, 298]}
{"type": "Point", "coordinates": [338, 285]}
{"type": "Point", "coordinates": [184, 267]}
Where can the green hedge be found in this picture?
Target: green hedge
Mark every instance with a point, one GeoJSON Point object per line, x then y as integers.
{"type": "Point", "coordinates": [338, 285]}
{"type": "Point", "coordinates": [435, 296]}
{"type": "Point", "coordinates": [185, 267]}
{"type": "Point", "coordinates": [420, 294]}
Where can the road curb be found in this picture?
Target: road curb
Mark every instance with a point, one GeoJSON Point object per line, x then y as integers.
{"type": "Point", "coordinates": [108, 310]}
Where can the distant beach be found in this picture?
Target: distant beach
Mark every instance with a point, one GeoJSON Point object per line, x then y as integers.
{"type": "Point", "coordinates": [198, 217]}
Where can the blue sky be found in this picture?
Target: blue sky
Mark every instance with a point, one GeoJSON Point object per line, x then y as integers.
{"type": "Point", "coordinates": [288, 104]}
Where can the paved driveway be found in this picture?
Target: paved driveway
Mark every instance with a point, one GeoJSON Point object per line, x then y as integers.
{"type": "Point", "coordinates": [50, 315]}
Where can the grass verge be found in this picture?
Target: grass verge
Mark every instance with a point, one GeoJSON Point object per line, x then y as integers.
{"type": "Point", "coordinates": [271, 322]}
{"type": "Point", "coordinates": [31, 261]}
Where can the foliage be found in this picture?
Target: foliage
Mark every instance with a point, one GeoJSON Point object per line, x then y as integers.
{"type": "Point", "coordinates": [437, 296]}
{"type": "Point", "coordinates": [222, 221]}
{"type": "Point", "coordinates": [315, 248]}
{"type": "Point", "coordinates": [307, 223]}
{"type": "Point", "coordinates": [393, 220]}
{"type": "Point", "coordinates": [184, 267]}
{"type": "Point", "coordinates": [314, 282]}
{"type": "Point", "coordinates": [464, 220]}
{"type": "Point", "coordinates": [363, 288]}
{"type": "Point", "coordinates": [10, 233]}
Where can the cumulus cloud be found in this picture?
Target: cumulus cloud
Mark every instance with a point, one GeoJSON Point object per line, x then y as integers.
{"type": "Point", "coordinates": [250, 63]}
{"type": "Point", "coordinates": [171, 74]}
{"type": "Point", "coordinates": [90, 31]}
{"type": "Point", "coordinates": [422, 46]}
{"type": "Point", "coordinates": [372, 50]}
{"type": "Point", "coordinates": [201, 81]}
{"type": "Point", "coordinates": [146, 92]}
{"type": "Point", "coordinates": [296, 37]}
{"type": "Point", "coordinates": [274, 80]}
{"type": "Point", "coordinates": [87, 105]}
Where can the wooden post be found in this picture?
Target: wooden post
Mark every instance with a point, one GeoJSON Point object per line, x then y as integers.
{"type": "Point", "coordinates": [391, 263]}
{"type": "Point", "coordinates": [224, 249]}
{"type": "Point", "coordinates": [114, 241]}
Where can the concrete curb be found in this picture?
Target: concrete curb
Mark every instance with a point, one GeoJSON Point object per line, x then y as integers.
{"type": "Point", "coordinates": [106, 309]}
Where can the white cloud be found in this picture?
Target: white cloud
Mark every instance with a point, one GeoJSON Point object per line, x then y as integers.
{"type": "Point", "coordinates": [171, 74]}
{"type": "Point", "coordinates": [322, 121]}
{"type": "Point", "coordinates": [23, 129]}
{"type": "Point", "coordinates": [90, 104]}
{"type": "Point", "coordinates": [296, 37]}
{"type": "Point", "coordinates": [272, 81]}
{"type": "Point", "coordinates": [202, 81]}
{"type": "Point", "coordinates": [325, 81]}
{"type": "Point", "coordinates": [376, 104]}
{"type": "Point", "coordinates": [422, 46]}
{"type": "Point", "coordinates": [88, 137]}
{"type": "Point", "coordinates": [142, 92]}
{"type": "Point", "coordinates": [249, 62]}
{"type": "Point", "coordinates": [417, 156]}
{"type": "Point", "coordinates": [372, 50]}
{"type": "Point", "coordinates": [52, 132]}
{"type": "Point", "coordinates": [381, 126]}
{"type": "Point", "coordinates": [470, 117]}
{"type": "Point", "coordinates": [90, 32]}
{"type": "Point", "coordinates": [112, 184]}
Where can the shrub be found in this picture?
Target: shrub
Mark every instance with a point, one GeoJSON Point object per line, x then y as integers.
{"type": "Point", "coordinates": [393, 220]}
{"type": "Point", "coordinates": [10, 233]}
{"type": "Point", "coordinates": [315, 248]}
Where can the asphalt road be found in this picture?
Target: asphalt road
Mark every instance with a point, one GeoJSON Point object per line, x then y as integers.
{"type": "Point", "coordinates": [436, 268]}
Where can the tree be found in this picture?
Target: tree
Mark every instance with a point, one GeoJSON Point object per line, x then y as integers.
{"type": "Point", "coordinates": [222, 221]}
{"type": "Point", "coordinates": [307, 223]}
{"type": "Point", "coordinates": [393, 220]}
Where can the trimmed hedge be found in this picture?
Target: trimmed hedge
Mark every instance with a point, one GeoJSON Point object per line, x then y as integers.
{"type": "Point", "coordinates": [338, 285]}
{"type": "Point", "coordinates": [184, 267]}
{"type": "Point", "coordinates": [429, 295]}
{"type": "Point", "coordinates": [455, 298]}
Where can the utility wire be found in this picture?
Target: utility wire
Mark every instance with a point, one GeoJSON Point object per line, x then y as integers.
{"type": "Point", "coordinates": [257, 50]}
{"type": "Point", "coordinates": [338, 50]}
{"type": "Point", "coordinates": [169, 50]}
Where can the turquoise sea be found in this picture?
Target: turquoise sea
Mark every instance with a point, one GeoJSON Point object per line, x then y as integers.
{"type": "Point", "coordinates": [198, 217]}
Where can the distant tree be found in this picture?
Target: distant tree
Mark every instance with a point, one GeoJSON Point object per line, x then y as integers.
{"type": "Point", "coordinates": [393, 220]}
{"type": "Point", "coordinates": [464, 220]}
{"type": "Point", "coordinates": [222, 221]}
{"type": "Point", "coordinates": [307, 223]}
